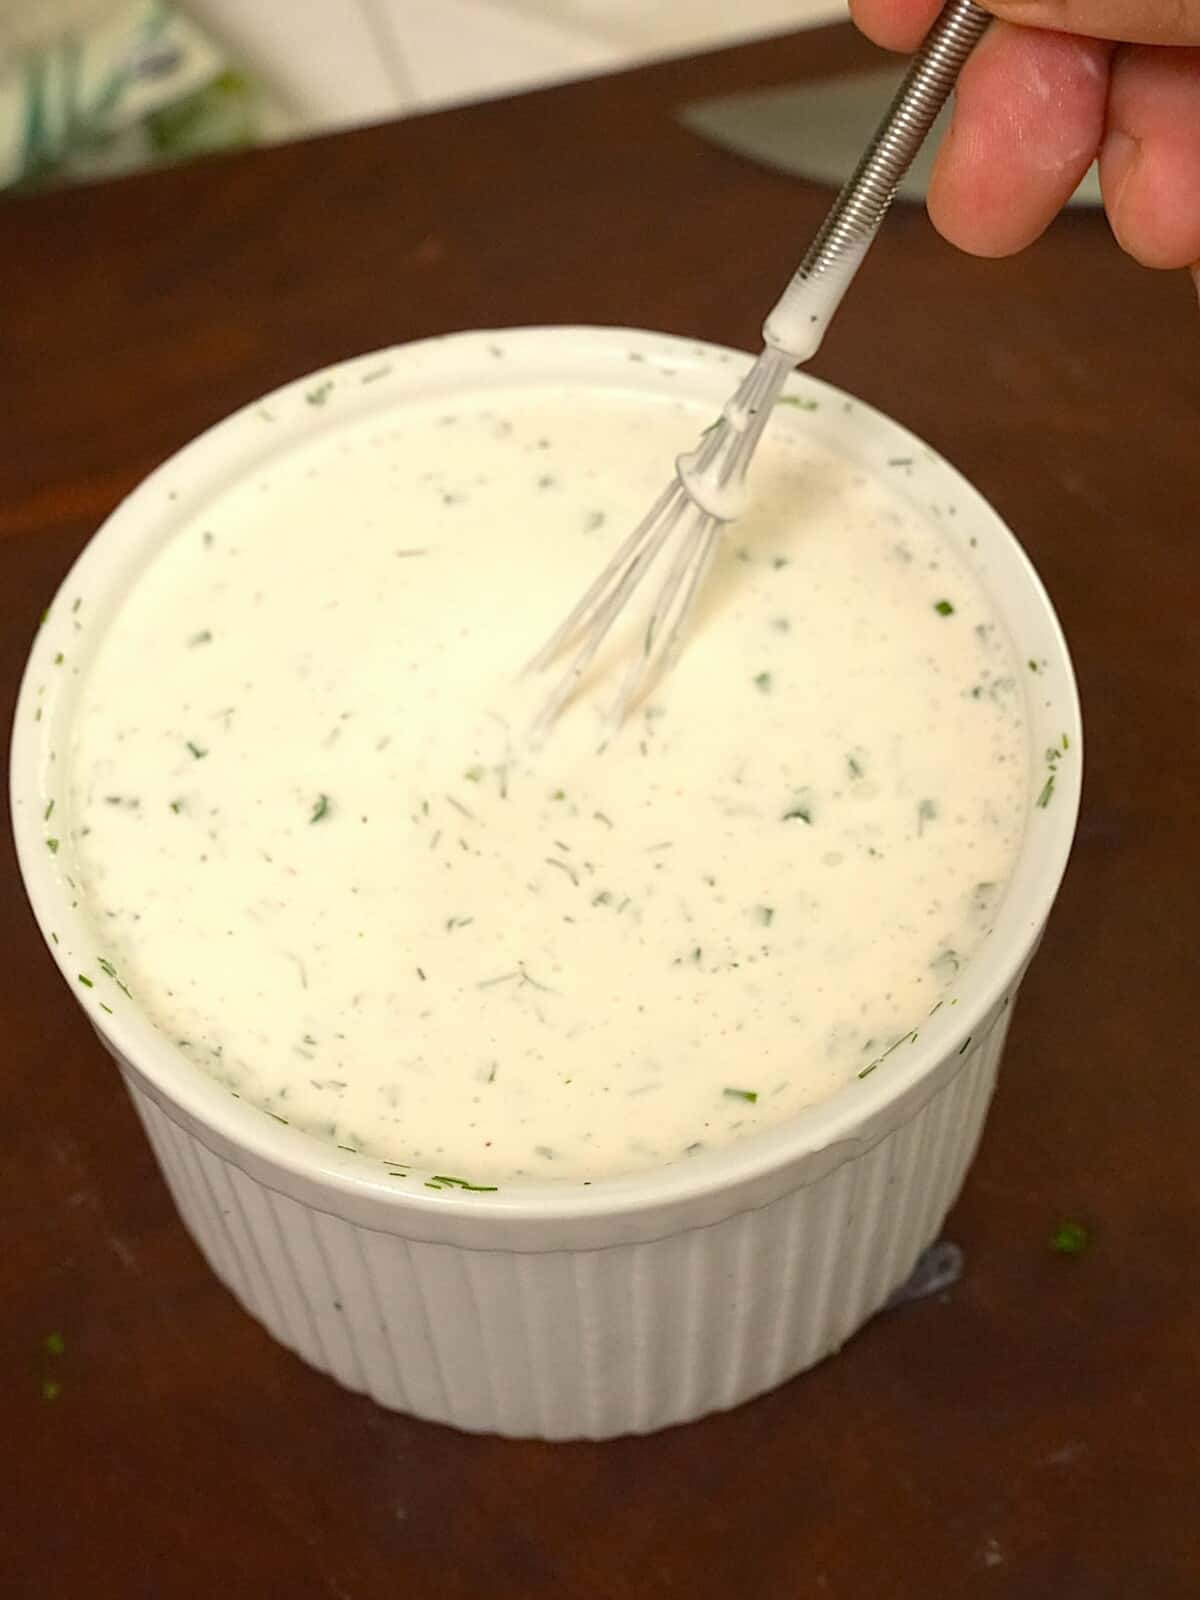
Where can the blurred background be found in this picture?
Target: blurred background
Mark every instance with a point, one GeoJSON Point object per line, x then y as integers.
{"type": "Point", "coordinates": [91, 88]}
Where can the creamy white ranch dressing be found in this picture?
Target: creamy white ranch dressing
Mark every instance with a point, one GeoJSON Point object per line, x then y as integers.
{"type": "Point", "coordinates": [319, 851]}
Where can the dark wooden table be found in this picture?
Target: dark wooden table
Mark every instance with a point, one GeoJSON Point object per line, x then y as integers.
{"type": "Point", "coordinates": [1032, 1434]}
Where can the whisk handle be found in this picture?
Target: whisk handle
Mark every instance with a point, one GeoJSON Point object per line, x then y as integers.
{"type": "Point", "coordinates": [798, 322]}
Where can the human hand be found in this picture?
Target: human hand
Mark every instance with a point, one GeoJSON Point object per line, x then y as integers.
{"type": "Point", "coordinates": [1053, 84]}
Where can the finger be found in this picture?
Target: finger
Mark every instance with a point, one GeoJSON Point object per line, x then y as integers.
{"type": "Point", "coordinates": [894, 24]}
{"type": "Point", "coordinates": [1150, 158]}
{"type": "Point", "coordinates": [1196, 278]}
{"type": "Point", "coordinates": [1028, 120]}
{"type": "Point", "coordinates": [1175, 22]}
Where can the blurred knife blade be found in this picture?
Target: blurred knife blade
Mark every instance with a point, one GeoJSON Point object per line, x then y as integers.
{"type": "Point", "coordinates": [818, 131]}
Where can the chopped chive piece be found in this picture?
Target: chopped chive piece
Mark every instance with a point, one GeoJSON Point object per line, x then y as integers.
{"type": "Point", "coordinates": [51, 1389]}
{"type": "Point", "coordinates": [320, 809]}
{"type": "Point", "coordinates": [1070, 1239]}
{"type": "Point", "coordinates": [203, 637]}
{"type": "Point", "coordinates": [1043, 799]}
{"type": "Point", "coordinates": [749, 1095]}
{"type": "Point", "coordinates": [49, 811]}
{"type": "Point", "coordinates": [52, 846]}
{"type": "Point", "coordinates": [319, 395]}
{"type": "Point", "coordinates": [944, 608]}
{"type": "Point", "coordinates": [86, 981]}
{"type": "Point", "coordinates": [196, 751]}
{"type": "Point", "coordinates": [799, 401]}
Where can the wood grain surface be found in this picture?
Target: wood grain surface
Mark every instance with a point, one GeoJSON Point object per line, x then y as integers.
{"type": "Point", "coordinates": [1031, 1434]}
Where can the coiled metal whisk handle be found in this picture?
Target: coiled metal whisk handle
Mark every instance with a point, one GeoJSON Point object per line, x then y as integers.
{"type": "Point", "coordinates": [797, 324]}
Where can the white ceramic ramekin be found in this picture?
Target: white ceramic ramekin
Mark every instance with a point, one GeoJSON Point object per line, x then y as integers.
{"type": "Point", "coordinates": [558, 1311]}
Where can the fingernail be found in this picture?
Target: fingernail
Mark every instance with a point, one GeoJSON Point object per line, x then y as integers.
{"type": "Point", "coordinates": [1119, 155]}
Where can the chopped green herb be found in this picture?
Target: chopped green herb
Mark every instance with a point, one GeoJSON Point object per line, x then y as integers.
{"type": "Point", "coordinates": [943, 608]}
{"type": "Point", "coordinates": [1033, 666]}
{"type": "Point", "coordinates": [926, 812]}
{"type": "Point", "coordinates": [59, 659]}
{"type": "Point", "coordinates": [762, 682]}
{"type": "Point", "coordinates": [198, 753]}
{"type": "Point", "coordinates": [320, 809]}
{"type": "Point", "coordinates": [1070, 1239]}
{"type": "Point", "coordinates": [800, 402]}
{"type": "Point", "coordinates": [86, 981]}
{"type": "Point", "coordinates": [854, 767]}
{"type": "Point", "coordinates": [105, 1008]}
{"type": "Point", "coordinates": [441, 1181]}
{"type": "Point", "coordinates": [473, 774]}
{"type": "Point", "coordinates": [52, 846]}
{"type": "Point", "coordinates": [203, 637]}
{"type": "Point", "coordinates": [319, 395]}
{"type": "Point", "coordinates": [54, 1344]}
{"type": "Point", "coordinates": [765, 914]}
{"type": "Point", "coordinates": [51, 1389]}
{"type": "Point", "coordinates": [900, 461]}
{"type": "Point", "coordinates": [176, 806]}
{"type": "Point", "coordinates": [1043, 799]}
{"type": "Point", "coordinates": [49, 811]}
{"type": "Point", "coordinates": [749, 1095]}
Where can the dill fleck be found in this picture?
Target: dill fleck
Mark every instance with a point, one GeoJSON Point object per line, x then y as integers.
{"type": "Point", "coordinates": [176, 806]}
{"type": "Point", "coordinates": [943, 608]}
{"type": "Point", "coordinates": [421, 975]}
{"type": "Point", "coordinates": [198, 753]}
{"type": "Point", "coordinates": [203, 637]}
{"type": "Point", "coordinates": [319, 395]}
{"type": "Point", "coordinates": [51, 1389]}
{"type": "Point", "coordinates": [320, 809]}
{"type": "Point", "coordinates": [762, 682]}
{"type": "Point", "coordinates": [59, 659]}
{"type": "Point", "coordinates": [52, 846]}
{"type": "Point", "coordinates": [1070, 1238]}
{"type": "Point", "coordinates": [49, 811]}
{"type": "Point", "coordinates": [54, 1344]}
{"type": "Point", "coordinates": [765, 914]}
{"type": "Point", "coordinates": [854, 767]}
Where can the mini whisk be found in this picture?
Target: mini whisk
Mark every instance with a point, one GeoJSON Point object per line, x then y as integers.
{"type": "Point", "coordinates": [708, 489]}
